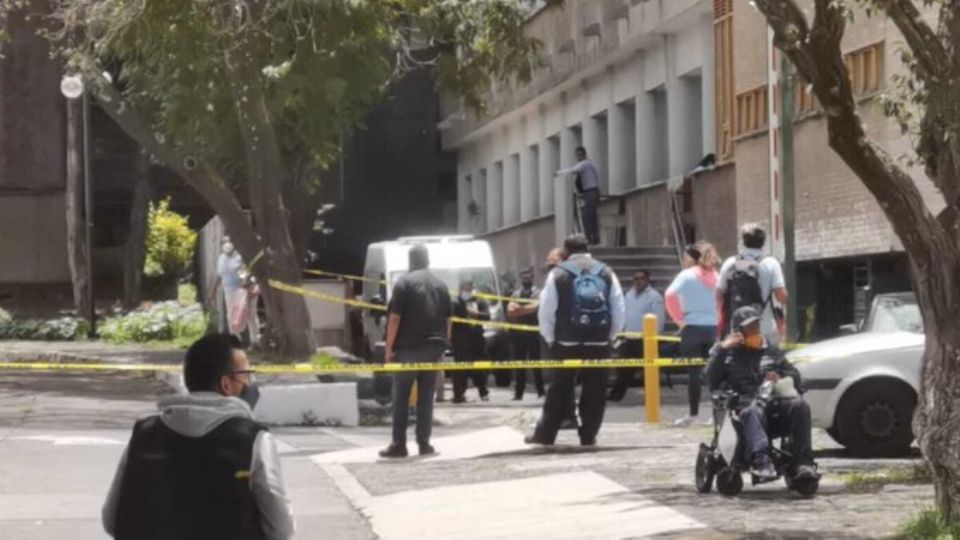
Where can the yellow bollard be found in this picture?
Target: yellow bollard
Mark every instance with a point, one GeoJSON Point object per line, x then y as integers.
{"type": "Point", "coordinates": [651, 373]}
{"type": "Point", "coordinates": [413, 394]}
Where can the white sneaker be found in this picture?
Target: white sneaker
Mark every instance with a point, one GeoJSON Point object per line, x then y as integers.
{"type": "Point", "coordinates": [686, 421]}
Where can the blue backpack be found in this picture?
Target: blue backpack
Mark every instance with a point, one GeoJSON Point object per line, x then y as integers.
{"type": "Point", "coordinates": [590, 313]}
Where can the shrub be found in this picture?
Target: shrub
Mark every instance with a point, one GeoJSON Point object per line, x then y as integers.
{"type": "Point", "coordinates": [61, 329]}
{"type": "Point", "coordinates": [170, 242]}
{"type": "Point", "coordinates": [164, 321]}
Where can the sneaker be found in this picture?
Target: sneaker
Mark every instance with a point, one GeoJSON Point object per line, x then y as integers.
{"type": "Point", "coordinates": [458, 400]}
{"type": "Point", "coordinates": [764, 471]}
{"type": "Point", "coordinates": [485, 397]}
{"type": "Point", "coordinates": [686, 421]}
{"type": "Point", "coordinates": [394, 451]}
{"type": "Point", "coordinates": [427, 450]}
{"type": "Point", "coordinates": [615, 397]}
{"type": "Point", "coordinates": [588, 442]}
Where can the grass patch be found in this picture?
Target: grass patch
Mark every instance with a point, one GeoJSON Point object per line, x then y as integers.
{"type": "Point", "coordinates": [187, 294]}
{"type": "Point", "coordinates": [930, 525]}
{"type": "Point", "coordinates": [866, 481]}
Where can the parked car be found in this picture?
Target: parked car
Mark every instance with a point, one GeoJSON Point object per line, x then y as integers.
{"type": "Point", "coordinates": [863, 388]}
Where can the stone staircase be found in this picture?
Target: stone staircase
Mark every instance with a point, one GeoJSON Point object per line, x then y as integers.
{"type": "Point", "coordinates": [661, 262]}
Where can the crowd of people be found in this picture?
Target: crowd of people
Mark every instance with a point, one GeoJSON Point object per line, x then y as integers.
{"type": "Point", "coordinates": [204, 468]}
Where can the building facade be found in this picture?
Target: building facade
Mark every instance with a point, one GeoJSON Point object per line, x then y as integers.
{"type": "Point", "coordinates": [651, 87]}
{"type": "Point", "coordinates": [630, 81]}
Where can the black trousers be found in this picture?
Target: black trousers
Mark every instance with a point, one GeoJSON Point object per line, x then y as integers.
{"type": "Point", "coordinates": [527, 347]}
{"type": "Point", "coordinates": [468, 351]}
{"type": "Point", "coordinates": [591, 222]}
{"type": "Point", "coordinates": [593, 398]}
{"type": "Point", "coordinates": [695, 342]}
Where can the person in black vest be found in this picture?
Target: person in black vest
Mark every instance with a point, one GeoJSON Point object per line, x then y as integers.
{"type": "Point", "coordinates": [581, 312]}
{"type": "Point", "coordinates": [203, 468]}
{"type": "Point", "coordinates": [468, 341]}
{"type": "Point", "coordinates": [526, 345]}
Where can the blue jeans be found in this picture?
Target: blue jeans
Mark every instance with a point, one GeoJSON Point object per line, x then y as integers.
{"type": "Point", "coordinates": [784, 418]}
{"type": "Point", "coordinates": [403, 384]}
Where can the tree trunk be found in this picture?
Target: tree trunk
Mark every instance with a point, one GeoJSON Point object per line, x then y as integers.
{"type": "Point", "coordinates": [76, 226]}
{"type": "Point", "coordinates": [135, 252]}
{"type": "Point", "coordinates": [286, 312]}
{"type": "Point", "coordinates": [937, 421]}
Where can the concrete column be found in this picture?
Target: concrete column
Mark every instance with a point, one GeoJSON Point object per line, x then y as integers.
{"type": "Point", "coordinates": [529, 183]}
{"type": "Point", "coordinates": [464, 194]}
{"type": "Point", "coordinates": [683, 122]}
{"type": "Point", "coordinates": [495, 196]}
{"type": "Point", "coordinates": [549, 158]}
{"type": "Point", "coordinates": [564, 187]}
{"type": "Point", "coordinates": [647, 139]}
{"type": "Point", "coordinates": [511, 190]}
{"type": "Point", "coordinates": [620, 137]}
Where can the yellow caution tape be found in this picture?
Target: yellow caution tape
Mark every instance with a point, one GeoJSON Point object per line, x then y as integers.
{"type": "Point", "coordinates": [485, 296]}
{"type": "Point", "coordinates": [314, 368]}
{"type": "Point", "coordinates": [281, 286]}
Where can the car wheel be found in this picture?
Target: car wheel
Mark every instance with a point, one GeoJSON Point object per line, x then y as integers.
{"type": "Point", "coordinates": [875, 418]}
{"type": "Point", "coordinates": [834, 434]}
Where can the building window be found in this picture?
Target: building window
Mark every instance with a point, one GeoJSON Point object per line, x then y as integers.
{"type": "Point", "coordinates": [723, 77]}
{"type": "Point", "coordinates": [865, 67]}
{"type": "Point", "coordinates": [752, 112]}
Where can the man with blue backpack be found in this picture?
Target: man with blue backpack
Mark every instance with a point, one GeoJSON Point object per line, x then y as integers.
{"type": "Point", "coordinates": [581, 312]}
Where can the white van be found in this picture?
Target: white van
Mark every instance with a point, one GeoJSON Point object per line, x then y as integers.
{"type": "Point", "coordinates": [452, 258]}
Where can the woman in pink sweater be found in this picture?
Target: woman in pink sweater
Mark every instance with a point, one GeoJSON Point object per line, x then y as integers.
{"type": "Point", "coordinates": [691, 303]}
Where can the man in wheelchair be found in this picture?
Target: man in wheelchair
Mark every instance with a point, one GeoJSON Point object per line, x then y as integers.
{"type": "Point", "coordinates": [769, 385]}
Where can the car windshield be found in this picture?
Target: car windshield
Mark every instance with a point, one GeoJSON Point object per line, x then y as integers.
{"type": "Point", "coordinates": [484, 279]}
{"type": "Point", "coordinates": [895, 313]}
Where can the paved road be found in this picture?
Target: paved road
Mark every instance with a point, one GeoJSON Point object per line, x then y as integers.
{"type": "Point", "coordinates": [61, 435]}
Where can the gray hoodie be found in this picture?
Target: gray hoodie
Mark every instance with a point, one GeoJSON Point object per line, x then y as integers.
{"type": "Point", "coordinates": [199, 413]}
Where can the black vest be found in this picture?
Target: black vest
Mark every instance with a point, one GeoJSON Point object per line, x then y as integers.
{"type": "Point", "coordinates": [183, 488]}
{"type": "Point", "coordinates": [565, 331]}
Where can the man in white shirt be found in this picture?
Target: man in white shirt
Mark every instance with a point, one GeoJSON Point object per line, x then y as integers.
{"type": "Point", "coordinates": [641, 300]}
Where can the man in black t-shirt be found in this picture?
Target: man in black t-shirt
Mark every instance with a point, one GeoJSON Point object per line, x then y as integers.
{"type": "Point", "coordinates": [417, 331]}
{"type": "Point", "coordinates": [526, 345]}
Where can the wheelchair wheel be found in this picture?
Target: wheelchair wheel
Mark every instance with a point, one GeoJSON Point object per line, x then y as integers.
{"type": "Point", "coordinates": [704, 471]}
{"type": "Point", "coordinates": [729, 481]}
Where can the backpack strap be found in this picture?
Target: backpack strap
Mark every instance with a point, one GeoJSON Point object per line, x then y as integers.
{"type": "Point", "coordinates": [598, 268]}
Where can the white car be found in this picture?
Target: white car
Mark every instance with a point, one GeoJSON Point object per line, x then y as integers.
{"type": "Point", "coordinates": [863, 388]}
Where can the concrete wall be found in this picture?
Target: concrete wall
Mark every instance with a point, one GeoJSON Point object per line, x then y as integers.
{"type": "Point", "coordinates": [648, 217]}
{"type": "Point", "coordinates": [33, 239]}
{"type": "Point", "coordinates": [522, 247]}
{"type": "Point", "coordinates": [715, 208]}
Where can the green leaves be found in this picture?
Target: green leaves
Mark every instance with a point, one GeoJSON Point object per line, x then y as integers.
{"type": "Point", "coordinates": [170, 242]}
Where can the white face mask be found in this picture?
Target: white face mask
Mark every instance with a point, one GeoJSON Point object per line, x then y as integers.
{"type": "Point", "coordinates": [228, 248]}
{"type": "Point", "coordinates": [466, 296]}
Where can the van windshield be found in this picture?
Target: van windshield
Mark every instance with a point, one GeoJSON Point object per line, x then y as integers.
{"type": "Point", "coordinates": [484, 279]}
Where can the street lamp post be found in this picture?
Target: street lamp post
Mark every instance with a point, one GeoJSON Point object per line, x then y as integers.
{"type": "Point", "coordinates": [72, 87]}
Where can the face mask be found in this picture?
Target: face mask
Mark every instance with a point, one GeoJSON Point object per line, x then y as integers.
{"type": "Point", "coordinates": [250, 394]}
{"type": "Point", "coordinates": [466, 296]}
{"type": "Point", "coordinates": [228, 248]}
{"type": "Point", "coordinates": [753, 342]}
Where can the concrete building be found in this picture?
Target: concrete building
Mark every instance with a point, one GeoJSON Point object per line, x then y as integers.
{"type": "Point", "coordinates": [650, 87]}
{"type": "Point", "coordinates": [846, 249]}
{"type": "Point", "coordinates": [632, 82]}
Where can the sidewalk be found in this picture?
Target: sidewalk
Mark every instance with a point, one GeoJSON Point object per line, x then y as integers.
{"type": "Point", "coordinates": [87, 351]}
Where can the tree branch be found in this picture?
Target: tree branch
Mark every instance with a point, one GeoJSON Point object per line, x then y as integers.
{"type": "Point", "coordinates": [205, 180]}
{"type": "Point", "coordinates": [933, 62]}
